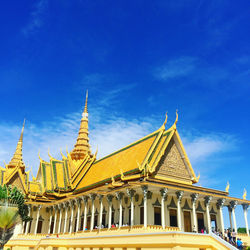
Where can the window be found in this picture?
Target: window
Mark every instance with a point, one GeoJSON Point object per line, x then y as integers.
{"type": "Point", "coordinates": [157, 215]}
{"type": "Point", "coordinates": [173, 217]}
{"type": "Point", "coordinates": [141, 215]}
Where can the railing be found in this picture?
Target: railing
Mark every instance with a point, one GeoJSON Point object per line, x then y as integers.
{"type": "Point", "coordinates": [128, 229]}
{"type": "Point", "coordinates": [225, 243]}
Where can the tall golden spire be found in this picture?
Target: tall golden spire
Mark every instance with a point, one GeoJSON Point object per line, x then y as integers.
{"type": "Point", "coordinates": [17, 158]}
{"type": "Point", "coordinates": [82, 147]}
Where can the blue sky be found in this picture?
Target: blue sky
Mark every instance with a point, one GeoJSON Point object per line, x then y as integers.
{"type": "Point", "coordinates": [138, 59]}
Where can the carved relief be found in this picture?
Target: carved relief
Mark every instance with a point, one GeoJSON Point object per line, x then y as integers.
{"type": "Point", "coordinates": [16, 182]}
{"type": "Point", "coordinates": [172, 165]}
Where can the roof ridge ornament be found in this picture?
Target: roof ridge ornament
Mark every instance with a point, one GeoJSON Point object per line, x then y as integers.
{"type": "Point", "coordinates": [227, 187]}
{"type": "Point", "coordinates": [166, 119]}
{"type": "Point", "coordinates": [177, 116]}
{"type": "Point", "coordinates": [244, 196]}
{"type": "Point", "coordinates": [63, 156]}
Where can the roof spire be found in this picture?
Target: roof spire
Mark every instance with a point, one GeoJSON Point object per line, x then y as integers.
{"type": "Point", "coordinates": [18, 155]}
{"type": "Point", "coordinates": [82, 147]}
{"type": "Point", "coordinates": [86, 103]}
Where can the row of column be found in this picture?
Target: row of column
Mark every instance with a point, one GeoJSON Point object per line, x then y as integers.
{"type": "Point", "coordinates": [131, 194]}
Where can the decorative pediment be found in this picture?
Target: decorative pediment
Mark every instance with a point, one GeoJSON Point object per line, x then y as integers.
{"type": "Point", "coordinates": [199, 207]}
{"type": "Point", "coordinates": [172, 204]}
{"type": "Point", "coordinates": [173, 165]}
{"type": "Point", "coordinates": [186, 206]}
{"type": "Point", "coordinates": [157, 203]}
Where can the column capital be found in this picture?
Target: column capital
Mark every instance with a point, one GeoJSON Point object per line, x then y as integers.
{"type": "Point", "coordinates": [145, 191]}
{"type": "Point", "coordinates": [92, 196]}
{"type": "Point", "coordinates": [110, 198]}
{"type": "Point", "coordinates": [71, 202]}
{"type": "Point", "coordinates": [194, 197]}
{"type": "Point", "coordinates": [119, 195]}
{"type": "Point", "coordinates": [233, 204]}
{"type": "Point", "coordinates": [39, 207]}
{"type": "Point", "coordinates": [245, 206]}
{"type": "Point", "coordinates": [220, 202]}
{"type": "Point", "coordinates": [100, 196]}
{"type": "Point", "coordinates": [207, 200]}
{"type": "Point", "coordinates": [85, 199]}
{"type": "Point", "coordinates": [163, 192]}
{"type": "Point", "coordinates": [55, 207]}
{"type": "Point", "coordinates": [130, 193]}
{"type": "Point", "coordinates": [179, 195]}
{"type": "Point", "coordinates": [78, 201]}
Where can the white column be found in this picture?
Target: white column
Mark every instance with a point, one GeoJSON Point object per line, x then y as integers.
{"type": "Point", "coordinates": [78, 214]}
{"type": "Point", "coordinates": [60, 219]}
{"type": "Point", "coordinates": [194, 199]}
{"type": "Point", "coordinates": [85, 200]}
{"type": "Point", "coordinates": [50, 218]}
{"type": "Point", "coordinates": [65, 217]}
{"type": "Point", "coordinates": [28, 222]}
{"type": "Point", "coordinates": [92, 197]}
{"type": "Point", "coordinates": [179, 195]}
{"type": "Point", "coordinates": [145, 204]}
{"type": "Point", "coordinates": [245, 207]}
{"type": "Point", "coordinates": [72, 217]}
{"type": "Point", "coordinates": [109, 198]}
{"type": "Point", "coordinates": [233, 205]}
{"type": "Point", "coordinates": [101, 210]}
{"type": "Point", "coordinates": [207, 203]}
{"type": "Point", "coordinates": [37, 218]}
{"type": "Point", "coordinates": [230, 217]}
{"type": "Point", "coordinates": [220, 204]}
{"type": "Point", "coordinates": [163, 192]}
{"type": "Point", "coordinates": [131, 194]}
{"type": "Point", "coordinates": [119, 196]}
{"type": "Point", "coordinates": [55, 219]}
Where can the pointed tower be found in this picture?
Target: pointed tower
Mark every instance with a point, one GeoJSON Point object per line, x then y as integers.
{"type": "Point", "coordinates": [82, 147]}
{"type": "Point", "coordinates": [17, 159]}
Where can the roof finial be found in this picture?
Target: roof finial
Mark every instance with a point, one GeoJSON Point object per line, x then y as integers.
{"type": "Point", "coordinates": [227, 187]}
{"type": "Point", "coordinates": [86, 103]}
{"type": "Point", "coordinates": [176, 119]}
{"type": "Point", "coordinates": [244, 194]}
{"type": "Point", "coordinates": [166, 119]}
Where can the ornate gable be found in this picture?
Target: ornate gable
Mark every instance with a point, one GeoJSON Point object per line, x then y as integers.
{"type": "Point", "coordinates": [173, 164]}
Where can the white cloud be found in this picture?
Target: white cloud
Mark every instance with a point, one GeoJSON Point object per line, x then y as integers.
{"type": "Point", "coordinates": [207, 153]}
{"type": "Point", "coordinates": [199, 148]}
{"type": "Point", "coordinates": [178, 67]}
{"type": "Point", "coordinates": [36, 17]}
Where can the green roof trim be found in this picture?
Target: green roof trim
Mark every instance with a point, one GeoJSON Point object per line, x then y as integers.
{"type": "Point", "coordinates": [44, 175]}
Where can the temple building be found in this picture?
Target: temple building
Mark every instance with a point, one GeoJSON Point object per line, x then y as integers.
{"type": "Point", "coordinates": [142, 196]}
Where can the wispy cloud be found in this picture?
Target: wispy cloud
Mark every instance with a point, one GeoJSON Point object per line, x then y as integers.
{"type": "Point", "coordinates": [175, 68]}
{"type": "Point", "coordinates": [36, 17]}
{"type": "Point", "coordinates": [208, 152]}
{"type": "Point", "coordinates": [199, 148]}
{"type": "Point", "coordinates": [108, 88]}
